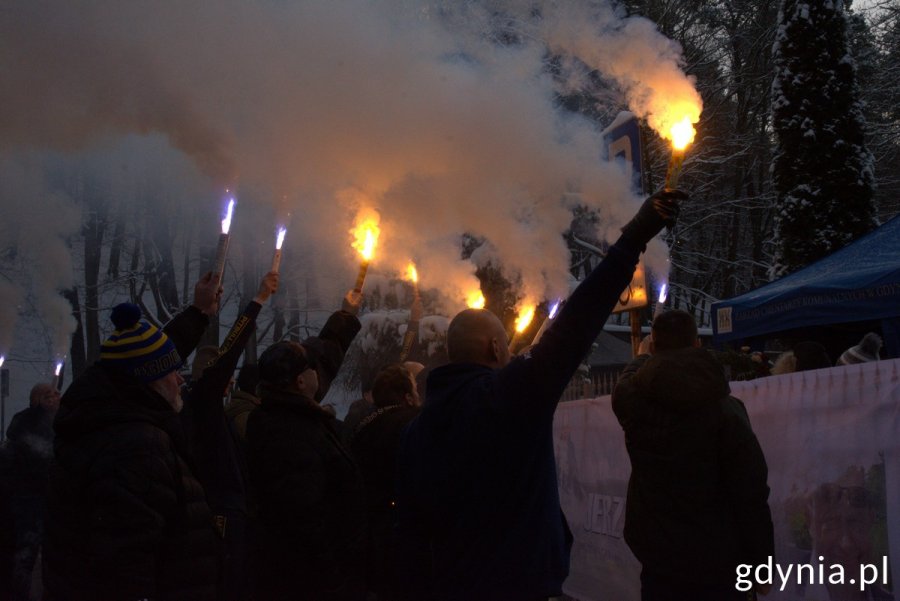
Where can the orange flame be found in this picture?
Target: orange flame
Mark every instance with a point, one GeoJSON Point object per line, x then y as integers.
{"type": "Point", "coordinates": [412, 273]}
{"type": "Point", "coordinates": [526, 314]}
{"type": "Point", "coordinates": [682, 133]}
{"type": "Point", "coordinates": [366, 234]}
{"type": "Point", "coordinates": [475, 299]}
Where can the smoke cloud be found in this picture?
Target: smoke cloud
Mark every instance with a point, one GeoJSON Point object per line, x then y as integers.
{"type": "Point", "coordinates": [10, 297]}
{"type": "Point", "coordinates": [36, 233]}
{"type": "Point", "coordinates": [442, 116]}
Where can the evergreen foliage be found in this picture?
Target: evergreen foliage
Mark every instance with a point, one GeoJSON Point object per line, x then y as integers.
{"type": "Point", "coordinates": [822, 171]}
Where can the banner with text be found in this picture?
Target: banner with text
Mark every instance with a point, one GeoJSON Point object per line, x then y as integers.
{"type": "Point", "coordinates": [832, 443]}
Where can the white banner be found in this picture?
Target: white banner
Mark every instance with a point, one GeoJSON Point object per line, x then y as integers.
{"type": "Point", "coordinates": [832, 443]}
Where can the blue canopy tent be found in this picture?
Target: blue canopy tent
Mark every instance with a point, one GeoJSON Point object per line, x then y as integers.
{"type": "Point", "coordinates": [859, 283]}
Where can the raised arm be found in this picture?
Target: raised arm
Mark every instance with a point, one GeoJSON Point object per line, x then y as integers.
{"type": "Point", "coordinates": [186, 328]}
{"type": "Point", "coordinates": [333, 340]}
{"type": "Point", "coordinates": [216, 376]}
{"type": "Point", "coordinates": [550, 364]}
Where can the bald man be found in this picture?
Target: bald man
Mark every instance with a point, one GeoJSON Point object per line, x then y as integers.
{"type": "Point", "coordinates": [477, 493]}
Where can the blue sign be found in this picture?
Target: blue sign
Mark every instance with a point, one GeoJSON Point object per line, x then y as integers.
{"type": "Point", "coordinates": [623, 145]}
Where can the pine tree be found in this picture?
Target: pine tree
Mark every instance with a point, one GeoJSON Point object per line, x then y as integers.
{"type": "Point", "coordinates": [822, 171]}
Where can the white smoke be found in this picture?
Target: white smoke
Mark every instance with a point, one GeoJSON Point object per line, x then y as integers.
{"type": "Point", "coordinates": [10, 297]}
{"type": "Point", "coordinates": [38, 230]}
{"type": "Point", "coordinates": [442, 116]}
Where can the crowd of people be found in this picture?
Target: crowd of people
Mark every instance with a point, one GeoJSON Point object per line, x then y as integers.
{"type": "Point", "coordinates": [136, 484]}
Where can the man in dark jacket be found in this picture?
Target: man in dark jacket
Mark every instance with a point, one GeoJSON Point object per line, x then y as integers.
{"type": "Point", "coordinates": [477, 489]}
{"type": "Point", "coordinates": [308, 490]}
{"type": "Point", "coordinates": [697, 498]}
{"type": "Point", "coordinates": [127, 518]}
{"type": "Point", "coordinates": [374, 445]}
{"type": "Point", "coordinates": [221, 466]}
{"type": "Point", "coordinates": [30, 442]}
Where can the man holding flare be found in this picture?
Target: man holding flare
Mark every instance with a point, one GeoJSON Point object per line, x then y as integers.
{"type": "Point", "coordinates": [477, 493]}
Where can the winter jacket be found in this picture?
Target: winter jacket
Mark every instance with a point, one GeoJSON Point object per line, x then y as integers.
{"type": "Point", "coordinates": [477, 476]}
{"type": "Point", "coordinates": [219, 455]}
{"type": "Point", "coordinates": [238, 411]}
{"type": "Point", "coordinates": [359, 410]}
{"type": "Point", "coordinates": [218, 458]}
{"type": "Point", "coordinates": [30, 443]}
{"type": "Point", "coordinates": [375, 445]}
{"type": "Point", "coordinates": [697, 498]}
{"type": "Point", "coordinates": [309, 496]}
{"type": "Point", "coordinates": [127, 519]}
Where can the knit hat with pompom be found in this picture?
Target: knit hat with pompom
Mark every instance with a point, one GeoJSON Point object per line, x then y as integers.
{"type": "Point", "coordinates": [867, 350]}
{"type": "Point", "coordinates": [137, 347]}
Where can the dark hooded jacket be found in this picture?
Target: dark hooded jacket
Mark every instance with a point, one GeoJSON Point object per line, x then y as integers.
{"type": "Point", "coordinates": [30, 442]}
{"type": "Point", "coordinates": [127, 518]}
{"type": "Point", "coordinates": [477, 488]}
{"type": "Point", "coordinates": [307, 489]}
{"type": "Point", "coordinates": [697, 498]}
{"type": "Point", "coordinates": [310, 501]}
{"type": "Point", "coordinates": [375, 444]}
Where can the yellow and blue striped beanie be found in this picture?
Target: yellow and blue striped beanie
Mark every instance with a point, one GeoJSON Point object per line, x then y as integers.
{"type": "Point", "coordinates": [137, 347]}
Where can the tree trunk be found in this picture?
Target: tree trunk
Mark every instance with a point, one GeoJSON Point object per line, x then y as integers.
{"type": "Point", "coordinates": [165, 268]}
{"type": "Point", "coordinates": [118, 241]}
{"type": "Point", "coordinates": [77, 360]}
{"type": "Point", "coordinates": [93, 247]}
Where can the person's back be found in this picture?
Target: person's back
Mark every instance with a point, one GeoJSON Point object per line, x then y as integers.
{"type": "Point", "coordinates": [697, 496]}
{"type": "Point", "coordinates": [486, 465]}
{"type": "Point", "coordinates": [477, 491]}
{"type": "Point", "coordinates": [374, 446]}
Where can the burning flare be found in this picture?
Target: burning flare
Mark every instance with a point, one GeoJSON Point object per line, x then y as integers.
{"type": "Point", "coordinates": [661, 301]}
{"type": "Point", "coordinates": [365, 236]}
{"type": "Point", "coordinates": [2, 360]}
{"type": "Point", "coordinates": [674, 120]}
{"type": "Point", "coordinates": [682, 134]}
{"type": "Point", "coordinates": [412, 273]}
{"type": "Point", "coordinates": [226, 222]}
{"type": "Point", "coordinates": [554, 308]}
{"type": "Point", "coordinates": [276, 257]}
{"type": "Point", "coordinates": [526, 314]}
{"type": "Point", "coordinates": [59, 366]}
{"type": "Point", "coordinates": [475, 300]}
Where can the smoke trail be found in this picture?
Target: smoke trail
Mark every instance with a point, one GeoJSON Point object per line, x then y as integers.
{"type": "Point", "coordinates": [69, 81]}
{"type": "Point", "coordinates": [10, 298]}
{"type": "Point", "coordinates": [38, 231]}
{"type": "Point", "coordinates": [444, 116]}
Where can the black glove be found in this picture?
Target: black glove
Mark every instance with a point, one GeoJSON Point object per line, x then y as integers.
{"type": "Point", "coordinates": [657, 212]}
